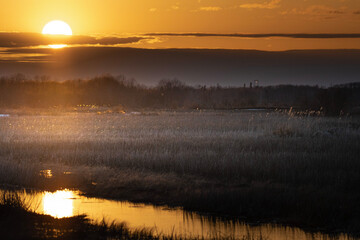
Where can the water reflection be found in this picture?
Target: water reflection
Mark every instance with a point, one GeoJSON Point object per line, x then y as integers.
{"type": "Point", "coordinates": [58, 204]}
{"type": "Point", "coordinates": [46, 173]}
{"type": "Point", "coordinates": [66, 203]}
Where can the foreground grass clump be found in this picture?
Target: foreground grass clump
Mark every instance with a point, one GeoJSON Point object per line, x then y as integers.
{"type": "Point", "coordinates": [17, 222]}
{"type": "Point", "coordinates": [262, 166]}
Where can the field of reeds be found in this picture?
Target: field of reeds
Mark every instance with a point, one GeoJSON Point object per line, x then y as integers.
{"type": "Point", "coordinates": [296, 168]}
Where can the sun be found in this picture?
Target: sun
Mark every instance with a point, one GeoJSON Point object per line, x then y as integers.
{"type": "Point", "coordinates": [57, 27]}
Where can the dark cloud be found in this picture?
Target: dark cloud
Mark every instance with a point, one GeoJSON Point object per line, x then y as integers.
{"type": "Point", "coordinates": [193, 66]}
{"type": "Point", "coordinates": [265, 35]}
{"type": "Point", "coordinates": [18, 39]}
{"type": "Point", "coordinates": [21, 39]}
{"type": "Point", "coordinates": [357, 12]}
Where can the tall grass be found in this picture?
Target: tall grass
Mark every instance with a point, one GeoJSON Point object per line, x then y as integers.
{"type": "Point", "coordinates": [10, 199]}
{"type": "Point", "coordinates": [298, 169]}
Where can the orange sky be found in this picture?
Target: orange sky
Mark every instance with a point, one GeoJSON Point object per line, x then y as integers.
{"type": "Point", "coordinates": [217, 16]}
{"type": "Point", "coordinates": [102, 28]}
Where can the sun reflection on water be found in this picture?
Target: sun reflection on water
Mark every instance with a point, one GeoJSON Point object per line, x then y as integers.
{"type": "Point", "coordinates": [67, 203]}
{"type": "Point", "coordinates": [59, 204]}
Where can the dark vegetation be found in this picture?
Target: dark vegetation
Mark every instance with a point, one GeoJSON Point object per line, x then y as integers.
{"type": "Point", "coordinates": [19, 91]}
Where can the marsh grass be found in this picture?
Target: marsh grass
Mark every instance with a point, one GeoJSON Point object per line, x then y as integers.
{"type": "Point", "coordinates": [299, 169]}
{"type": "Point", "coordinates": [10, 199]}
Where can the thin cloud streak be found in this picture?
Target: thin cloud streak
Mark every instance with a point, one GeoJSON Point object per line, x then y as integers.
{"type": "Point", "coordinates": [262, 35]}
{"type": "Point", "coordinates": [265, 5]}
{"type": "Point", "coordinates": [18, 39]}
{"type": "Point", "coordinates": [210, 9]}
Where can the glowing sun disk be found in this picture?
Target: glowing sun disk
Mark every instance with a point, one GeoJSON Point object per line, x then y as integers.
{"type": "Point", "coordinates": [57, 27]}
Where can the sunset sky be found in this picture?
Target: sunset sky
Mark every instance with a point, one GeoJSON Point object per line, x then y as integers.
{"type": "Point", "coordinates": [264, 25]}
{"type": "Point", "coordinates": [216, 16]}
{"type": "Point", "coordinates": [124, 18]}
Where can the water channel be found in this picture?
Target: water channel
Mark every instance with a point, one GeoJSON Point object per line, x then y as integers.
{"type": "Point", "coordinates": [67, 203]}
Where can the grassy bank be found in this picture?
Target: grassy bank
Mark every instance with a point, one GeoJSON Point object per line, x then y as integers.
{"type": "Point", "coordinates": [261, 166]}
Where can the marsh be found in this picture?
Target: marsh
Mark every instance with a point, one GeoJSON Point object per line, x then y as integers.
{"type": "Point", "coordinates": [261, 166]}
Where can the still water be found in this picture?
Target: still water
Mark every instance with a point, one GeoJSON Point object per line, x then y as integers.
{"type": "Point", "coordinates": [67, 203]}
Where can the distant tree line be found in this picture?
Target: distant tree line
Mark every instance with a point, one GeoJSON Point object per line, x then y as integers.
{"type": "Point", "coordinates": [20, 91]}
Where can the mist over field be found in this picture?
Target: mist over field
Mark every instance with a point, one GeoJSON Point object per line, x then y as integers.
{"type": "Point", "coordinates": [192, 66]}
